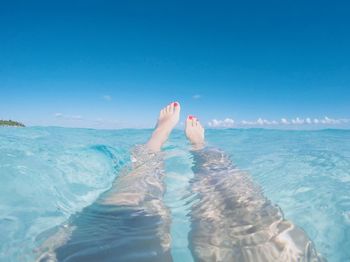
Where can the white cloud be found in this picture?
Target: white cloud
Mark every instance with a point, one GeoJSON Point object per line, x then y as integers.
{"type": "Point", "coordinates": [259, 122]}
{"type": "Point", "coordinates": [297, 121]}
{"type": "Point", "coordinates": [107, 97]}
{"type": "Point", "coordinates": [69, 117]}
{"type": "Point", "coordinates": [245, 122]}
{"type": "Point", "coordinates": [326, 120]}
{"type": "Point", "coordinates": [330, 121]}
{"type": "Point", "coordinates": [76, 117]}
{"type": "Point", "coordinates": [316, 121]}
{"type": "Point", "coordinates": [196, 96]}
{"type": "Point", "coordinates": [226, 123]}
{"type": "Point", "coordinates": [284, 121]}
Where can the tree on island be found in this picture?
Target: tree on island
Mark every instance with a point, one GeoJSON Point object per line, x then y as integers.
{"type": "Point", "coordinates": [11, 123]}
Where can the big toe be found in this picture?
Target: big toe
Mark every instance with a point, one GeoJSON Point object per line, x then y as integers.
{"type": "Point", "coordinates": [190, 121]}
{"type": "Point", "coordinates": [175, 107]}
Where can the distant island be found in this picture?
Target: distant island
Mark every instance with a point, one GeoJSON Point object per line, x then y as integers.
{"type": "Point", "coordinates": [11, 123]}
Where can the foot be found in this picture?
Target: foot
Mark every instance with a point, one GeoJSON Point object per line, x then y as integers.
{"type": "Point", "coordinates": [168, 118]}
{"type": "Point", "coordinates": [195, 132]}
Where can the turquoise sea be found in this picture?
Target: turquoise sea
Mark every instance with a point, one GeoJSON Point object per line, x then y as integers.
{"type": "Point", "coordinates": [48, 174]}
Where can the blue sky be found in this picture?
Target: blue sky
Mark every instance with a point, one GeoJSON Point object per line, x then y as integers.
{"type": "Point", "coordinates": [110, 64]}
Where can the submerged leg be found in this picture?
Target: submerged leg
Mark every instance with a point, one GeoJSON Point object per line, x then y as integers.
{"type": "Point", "coordinates": [129, 222]}
{"type": "Point", "coordinates": [144, 181]}
{"type": "Point", "coordinates": [231, 219]}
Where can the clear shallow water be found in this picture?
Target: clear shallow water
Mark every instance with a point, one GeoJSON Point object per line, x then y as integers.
{"type": "Point", "coordinates": [49, 174]}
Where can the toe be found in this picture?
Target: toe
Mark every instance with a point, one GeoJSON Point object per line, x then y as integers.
{"type": "Point", "coordinates": [189, 121]}
{"type": "Point", "coordinates": [171, 108]}
{"type": "Point", "coordinates": [176, 106]}
{"type": "Point", "coordinates": [194, 121]}
{"type": "Point", "coordinates": [197, 122]}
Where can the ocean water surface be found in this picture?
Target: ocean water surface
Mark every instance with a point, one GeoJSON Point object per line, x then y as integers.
{"type": "Point", "coordinates": [47, 175]}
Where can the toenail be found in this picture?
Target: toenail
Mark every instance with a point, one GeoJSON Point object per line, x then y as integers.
{"type": "Point", "coordinates": [190, 117]}
{"type": "Point", "coordinates": [176, 104]}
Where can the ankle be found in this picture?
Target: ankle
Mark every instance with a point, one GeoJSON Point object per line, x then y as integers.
{"type": "Point", "coordinates": [158, 138]}
{"type": "Point", "coordinates": [161, 134]}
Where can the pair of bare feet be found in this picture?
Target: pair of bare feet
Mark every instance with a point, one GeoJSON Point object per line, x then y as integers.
{"type": "Point", "coordinates": [168, 118]}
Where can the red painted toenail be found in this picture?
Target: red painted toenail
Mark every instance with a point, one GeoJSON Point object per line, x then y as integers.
{"type": "Point", "coordinates": [176, 104]}
{"type": "Point", "coordinates": [190, 117]}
